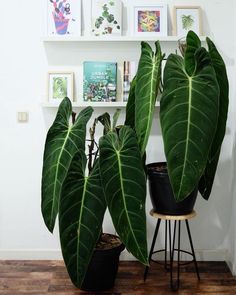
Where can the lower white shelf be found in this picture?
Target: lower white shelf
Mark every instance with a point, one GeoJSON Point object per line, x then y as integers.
{"type": "Point", "coordinates": [116, 104]}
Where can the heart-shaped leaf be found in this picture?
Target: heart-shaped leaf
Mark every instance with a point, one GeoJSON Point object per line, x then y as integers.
{"type": "Point", "coordinates": [81, 212]}
{"type": "Point", "coordinates": [189, 113]}
{"type": "Point", "coordinates": [63, 141]}
{"type": "Point", "coordinates": [124, 183]}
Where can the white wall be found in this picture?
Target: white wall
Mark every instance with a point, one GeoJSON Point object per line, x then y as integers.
{"type": "Point", "coordinates": [25, 60]}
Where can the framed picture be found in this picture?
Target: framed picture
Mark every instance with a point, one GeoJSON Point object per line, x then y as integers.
{"type": "Point", "coordinates": [60, 85]}
{"type": "Point", "coordinates": [63, 17]}
{"type": "Point", "coordinates": [149, 19]}
{"type": "Point", "coordinates": [187, 18]}
{"type": "Point", "coordinates": [106, 18]}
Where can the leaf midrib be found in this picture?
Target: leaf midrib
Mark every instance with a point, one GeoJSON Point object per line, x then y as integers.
{"type": "Point", "coordinates": [150, 110]}
{"type": "Point", "coordinates": [188, 131]}
{"type": "Point", "coordinates": [79, 224]}
{"type": "Point", "coordinates": [123, 198]}
{"type": "Point", "coordinates": [56, 174]}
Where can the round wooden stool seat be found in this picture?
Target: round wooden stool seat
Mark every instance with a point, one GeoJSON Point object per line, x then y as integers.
{"type": "Point", "coordinates": [173, 217]}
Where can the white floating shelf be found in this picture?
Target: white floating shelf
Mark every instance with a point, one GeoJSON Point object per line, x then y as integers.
{"type": "Point", "coordinates": [117, 104]}
{"type": "Point", "coordinates": [112, 39]}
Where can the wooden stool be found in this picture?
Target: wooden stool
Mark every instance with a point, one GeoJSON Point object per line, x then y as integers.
{"type": "Point", "coordinates": [172, 249]}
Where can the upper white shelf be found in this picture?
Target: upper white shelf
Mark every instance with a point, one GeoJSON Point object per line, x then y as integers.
{"type": "Point", "coordinates": [112, 39]}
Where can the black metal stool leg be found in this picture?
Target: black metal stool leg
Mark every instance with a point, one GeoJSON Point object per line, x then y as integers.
{"type": "Point", "coordinates": [193, 253]}
{"type": "Point", "coordinates": [152, 248]}
{"type": "Point", "coordinates": [179, 238]}
{"type": "Point", "coordinates": [172, 259]}
{"type": "Point", "coordinates": [166, 245]}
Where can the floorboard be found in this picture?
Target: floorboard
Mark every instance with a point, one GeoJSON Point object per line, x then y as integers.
{"type": "Point", "coordinates": [50, 277]}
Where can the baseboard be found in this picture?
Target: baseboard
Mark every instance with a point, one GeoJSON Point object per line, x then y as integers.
{"type": "Point", "coordinates": [201, 255]}
{"type": "Point", "coordinates": [38, 254]}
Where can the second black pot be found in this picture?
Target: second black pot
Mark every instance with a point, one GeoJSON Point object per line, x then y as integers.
{"type": "Point", "coordinates": [161, 192]}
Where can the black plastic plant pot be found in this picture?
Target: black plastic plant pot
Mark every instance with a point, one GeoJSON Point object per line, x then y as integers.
{"type": "Point", "coordinates": [102, 270]}
{"type": "Point", "coordinates": [161, 192]}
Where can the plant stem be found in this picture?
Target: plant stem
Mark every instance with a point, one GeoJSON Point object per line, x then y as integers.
{"type": "Point", "coordinates": [73, 117]}
{"type": "Point", "coordinates": [91, 146]}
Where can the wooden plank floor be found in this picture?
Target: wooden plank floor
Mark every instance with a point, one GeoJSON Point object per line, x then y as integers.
{"type": "Point", "coordinates": [50, 277]}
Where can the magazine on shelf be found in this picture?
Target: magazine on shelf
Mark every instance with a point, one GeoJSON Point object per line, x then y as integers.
{"type": "Point", "coordinates": [106, 18]}
{"type": "Point", "coordinates": [129, 71]}
{"type": "Point", "coordinates": [100, 81]}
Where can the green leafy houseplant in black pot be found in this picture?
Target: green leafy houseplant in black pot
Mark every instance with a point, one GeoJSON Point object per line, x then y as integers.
{"type": "Point", "coordinates": [115, 180]}
{"type": "Point", "coordinates": [193, 114]}
{"type": "Point", "coordinates": [116, 177]}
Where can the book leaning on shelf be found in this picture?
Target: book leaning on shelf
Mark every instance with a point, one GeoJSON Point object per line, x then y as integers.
{"type": "Point", "coordinates": [100, 81]}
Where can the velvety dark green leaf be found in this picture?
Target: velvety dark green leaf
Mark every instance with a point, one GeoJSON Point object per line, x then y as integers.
{"type": "Point", "coordinates": [63, 141]}
{"type": "Point", "coordinates": [105, 120]}
{"type": "Point", "coordinates": [125, 188]}
{"type": "Point", "coordinates": [147, 84]}
{"type": "Point", "coordinates": [130, 107]}
{"type": "Point", "coordinates": [193, 43]}
{"type": "Point", "coordinates": [81, 211]}
{"type": "Point", "coordinates": [206, 182]}
{"type": "Point", "coordinates": [189, 114]}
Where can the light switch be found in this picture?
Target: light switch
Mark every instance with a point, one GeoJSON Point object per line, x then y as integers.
{"type": "Point", "coordinates": [22, 117]}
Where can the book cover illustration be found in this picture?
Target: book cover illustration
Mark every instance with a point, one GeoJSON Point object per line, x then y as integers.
{"type": "Point", "coordinates": [128, 75]}
{"type": "Point", "coordinates": [100, 81]}
{"type": "Point", "coordinates": [106, 17]}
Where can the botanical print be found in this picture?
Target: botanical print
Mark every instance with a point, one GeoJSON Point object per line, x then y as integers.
{"type": "Point", "coordinates": [148, 21]}
{"type": "Point", "coordinates": [64, 17]}
{"type": "Point", "coordinates": [187, 19]}
{"type": "Point", "coordinates": [60, 87]}
{"type": "Point", "coordinates": [106, 17]}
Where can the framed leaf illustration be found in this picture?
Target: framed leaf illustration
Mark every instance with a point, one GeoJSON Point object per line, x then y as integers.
{"type": "Point", "coordinates": [187, 18]}
{"type": "Point", "coordinates": [106, 18]}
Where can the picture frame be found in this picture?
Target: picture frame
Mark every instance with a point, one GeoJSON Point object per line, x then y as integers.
{"type": "Point", "coordinates": [59, 86]}
{"type": "Point", "coordinates": [187, 18]}
{"type": "Point", "coordinates": [63, 17]}
{"type": "Point", "coordinates": [149, 18]}
{"type": "Point", "coordinates": [106, 18]}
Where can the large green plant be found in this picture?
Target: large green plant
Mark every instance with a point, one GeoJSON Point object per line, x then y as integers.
{"type": "Point", "coordinates": [116, 180]}
{"type": "Point", "coordinates": [193, 113]}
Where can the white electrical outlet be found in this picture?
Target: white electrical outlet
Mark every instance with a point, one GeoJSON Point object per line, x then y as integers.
{"type": "Point", "coordinates": [22, 117]}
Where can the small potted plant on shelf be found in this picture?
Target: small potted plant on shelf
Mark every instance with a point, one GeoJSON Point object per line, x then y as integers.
{"type": "Point", "coordinates": [193, 113]}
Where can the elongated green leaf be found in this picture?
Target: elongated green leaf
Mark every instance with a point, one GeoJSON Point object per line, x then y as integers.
{"type": "Point", "coordinates": [63, 141]}
{"type": "Point", "coordinates": [125, 188]}
{"type": "Point", "coordinates": [130, 107]}
{"type": "Point", "coordinates": [147, 84]}
{"type": "Point", "coordinates": [81, 211]}
{"type": "Point", "coordinates": [206, 182]}
{"type": "Point", "coordinates": [189, 114]}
